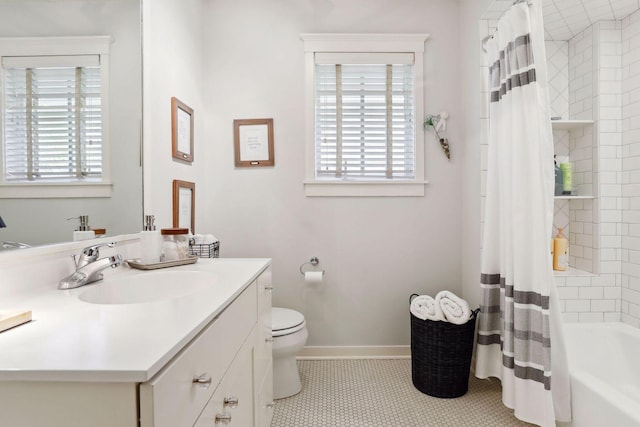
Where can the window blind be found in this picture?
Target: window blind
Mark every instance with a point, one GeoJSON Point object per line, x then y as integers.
{"type": "Point", "coordinates": [52, 122]}
{"type": "Point", "coordinates": [364, 118]}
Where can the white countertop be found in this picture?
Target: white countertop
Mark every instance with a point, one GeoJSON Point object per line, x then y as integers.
{"type": "Point", "coordinates": [72, 340]}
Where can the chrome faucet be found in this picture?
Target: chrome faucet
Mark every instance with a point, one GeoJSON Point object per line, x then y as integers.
{"type": "Point", "coordinates": [89, 267]}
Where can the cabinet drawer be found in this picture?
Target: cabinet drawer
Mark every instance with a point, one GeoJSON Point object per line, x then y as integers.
{"type": "Point", "coordinates": [172, 398]}
{"type": "Point", "coordinates": [237, 384]}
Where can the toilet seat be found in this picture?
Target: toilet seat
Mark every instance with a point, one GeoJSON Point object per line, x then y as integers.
{"type": "Point", "coordinates": [285, 321]}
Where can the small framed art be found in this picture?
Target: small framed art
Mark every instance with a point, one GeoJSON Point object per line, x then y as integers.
{"type": "Point", "coordinates": [181, 130]}
{"type": "Point", "coordinates": [253, 142]}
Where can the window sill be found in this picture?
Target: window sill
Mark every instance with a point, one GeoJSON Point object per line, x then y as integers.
{"type": "Point", "coordinates": [364, 189]}
{"type": "Point", "coordinates": [55, 190]}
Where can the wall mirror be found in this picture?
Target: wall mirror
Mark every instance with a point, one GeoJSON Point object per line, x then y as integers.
{"type": "Point", "coordinates": [39, 221]}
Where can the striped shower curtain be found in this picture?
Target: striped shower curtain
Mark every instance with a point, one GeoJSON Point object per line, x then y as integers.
{"type": "Point", "coordinates": [519, 328]}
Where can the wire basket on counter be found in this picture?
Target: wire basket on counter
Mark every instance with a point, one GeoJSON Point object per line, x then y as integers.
{"type": "Point", "coordinates": [211, 250]}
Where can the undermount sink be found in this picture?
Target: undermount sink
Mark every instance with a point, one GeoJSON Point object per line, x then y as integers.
{"type": "Point", "coordinates": [147, 287]}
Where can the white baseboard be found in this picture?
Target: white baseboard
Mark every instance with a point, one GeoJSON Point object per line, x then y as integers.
{"type": "Point", "coordinates": [355, 352]}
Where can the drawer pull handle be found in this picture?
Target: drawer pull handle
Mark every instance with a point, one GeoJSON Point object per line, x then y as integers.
{"type": "Point", "coordinates": [231, 401]}
{"type": "Point", "coordinates": [270, 405]}
{"type": "Point", "coordinates": [203, 380]}
{"type": "Point", "coordinates": [223, 418]}
{"type": "Point", "coordinates": [268, 288]}
{"type": "Point", "coordinates": [268, 339]}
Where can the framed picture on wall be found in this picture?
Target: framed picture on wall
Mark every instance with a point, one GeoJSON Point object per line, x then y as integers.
{"type": "Point", "coordinates": [253, 142]}
{"type": "Point", "coordinates": [181, 130]}
{"type": "Point", "coordinates": [184, 205]}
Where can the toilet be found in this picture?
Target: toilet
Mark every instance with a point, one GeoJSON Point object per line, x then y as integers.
{"type": "Point", "coordinates": [289, 332]}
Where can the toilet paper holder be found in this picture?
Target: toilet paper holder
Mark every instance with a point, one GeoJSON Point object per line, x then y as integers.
{"type": "Point", "coordinates": [313, 261]}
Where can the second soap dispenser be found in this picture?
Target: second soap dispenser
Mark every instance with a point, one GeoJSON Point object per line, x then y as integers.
{"type": "Point", "coordinates": [83, 232]}
{"type": "Point", "coordinates": [150, 242]}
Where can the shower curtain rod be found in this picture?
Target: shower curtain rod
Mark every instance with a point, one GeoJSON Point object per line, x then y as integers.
{"type": "Point", "coordinates": [486, 39]}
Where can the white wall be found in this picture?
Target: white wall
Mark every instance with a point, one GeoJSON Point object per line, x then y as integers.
{"type": "Point", "coordinates": [38, 221]}
{"type": "Point", "coordinates": [376, 251]}
{"type": "Point", "coordinates": [173, 66]}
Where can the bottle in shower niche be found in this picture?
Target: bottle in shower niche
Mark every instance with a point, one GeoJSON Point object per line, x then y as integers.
{"type": "Point", "coordinates": [560, 252]}
{"type": "Point", "coordinates": [150, 242]}
{"type": "Point", "coordinates": [558, 173]}
{"type": "Point", "coordinates": [567, 178]}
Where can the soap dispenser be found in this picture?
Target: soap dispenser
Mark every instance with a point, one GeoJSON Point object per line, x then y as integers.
{"type": "Point", "coordinates": [150, 242]}
{"type": "Point", "coordinates": [83, 232]}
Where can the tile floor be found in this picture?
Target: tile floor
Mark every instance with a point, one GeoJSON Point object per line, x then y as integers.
{"type": "Point", "coordinates": [372, 393]}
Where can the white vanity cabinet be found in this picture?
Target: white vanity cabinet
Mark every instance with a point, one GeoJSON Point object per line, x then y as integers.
{"type": "Point", "coordinates": [223, 374]}
{"type": "Point", "coordinates": [225, 370]}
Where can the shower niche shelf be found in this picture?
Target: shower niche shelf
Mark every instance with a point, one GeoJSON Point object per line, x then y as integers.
{"type": "Point", "coordinates": [571, 197]}
{"type": "Point", "coordinates": [573, 272]}
{"type": "Point", "coordinates": [570, 124]}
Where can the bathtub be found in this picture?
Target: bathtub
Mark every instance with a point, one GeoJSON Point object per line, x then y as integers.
{"type": "Point", "coordinates": [604, 363]}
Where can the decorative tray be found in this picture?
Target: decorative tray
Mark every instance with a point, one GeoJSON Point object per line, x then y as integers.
{"type": "Point", "coordinates": [135, 263]}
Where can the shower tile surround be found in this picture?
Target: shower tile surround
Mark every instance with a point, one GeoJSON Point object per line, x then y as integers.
{"type": "Point", "coordinates": [603, 69]}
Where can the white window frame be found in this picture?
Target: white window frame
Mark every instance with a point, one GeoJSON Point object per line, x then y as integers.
{"type": "Point", "coordinates": [363, 43]}
{"type": "Point", "coordinates": [61, 46]}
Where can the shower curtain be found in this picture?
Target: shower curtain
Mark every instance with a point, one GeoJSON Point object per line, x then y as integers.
{"type": "Point", "coordinates": [519, 328]}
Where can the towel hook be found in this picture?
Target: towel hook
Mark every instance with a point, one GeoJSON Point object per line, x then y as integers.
{"type": "Point", "coordinates": [313, 261]}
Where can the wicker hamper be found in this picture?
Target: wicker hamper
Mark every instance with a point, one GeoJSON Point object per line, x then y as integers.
{"type": "Point", "coordinates": [441, 356]}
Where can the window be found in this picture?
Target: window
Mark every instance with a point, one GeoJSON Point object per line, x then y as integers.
{"type": "Point", "coordinates": [53, 121]}
{"type": "Point", "coordinates": [364, 117]}
{"type": "Point", "coordinates": [362, 108]}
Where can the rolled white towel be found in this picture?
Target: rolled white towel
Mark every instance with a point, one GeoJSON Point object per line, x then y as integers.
{"type": "Point", "coordinates": [455, 309]}
{"type": "Point", "coordinates": [209, 239]}
{"type": "Point", "coordinates": [424, 307]}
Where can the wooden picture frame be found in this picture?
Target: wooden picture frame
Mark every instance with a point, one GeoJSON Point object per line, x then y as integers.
{"type": "Point", "coordinates": [181, 130]}
{"type": "Point", "coordinates": [184, 205]}
{"type": "Point", "coordinates": [253, 142]}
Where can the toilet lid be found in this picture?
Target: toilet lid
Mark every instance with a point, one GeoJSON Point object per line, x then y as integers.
{"type": "Point", "coordinates": [285, 318]}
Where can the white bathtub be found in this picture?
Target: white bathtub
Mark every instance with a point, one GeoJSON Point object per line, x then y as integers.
{"type": "Point", "coordinates": [604, 362]}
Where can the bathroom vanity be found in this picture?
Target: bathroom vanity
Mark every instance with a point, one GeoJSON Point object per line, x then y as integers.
{"type": "Point", "coordinates": [118, 353]}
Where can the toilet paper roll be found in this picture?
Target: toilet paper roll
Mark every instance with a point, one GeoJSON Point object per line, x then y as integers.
{"type": "Point", "coordinates": [313, 276]}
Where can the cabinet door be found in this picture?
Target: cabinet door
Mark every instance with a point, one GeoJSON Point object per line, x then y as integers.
{"type": "Point", "coordinates": [67, 404]}
{"type": "Point", "coordinates": [263, 374]}
{"type": "Point", "coordinates": [264, 347]}
{"type": "Point", "coordinates": [233, 404]}
{"type": "Point", "coordinates": [264, 411]}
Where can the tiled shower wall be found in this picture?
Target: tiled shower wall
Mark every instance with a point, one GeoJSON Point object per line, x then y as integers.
{"type": "Point", "coordinates": [558, 76]}
{"type": "Point", "coordinates": [630, 221]}
{"type": "Point", "coordinates": [582, 59]}
{"type": "Point", "coordinates": [594, 240]}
